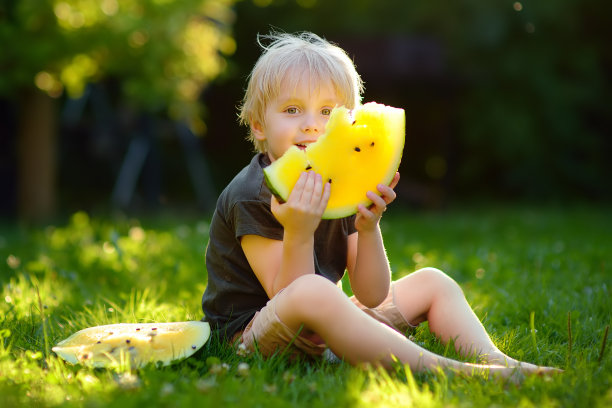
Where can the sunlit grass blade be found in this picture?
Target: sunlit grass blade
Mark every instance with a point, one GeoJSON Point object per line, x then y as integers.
{"type": "Point", "coordinates": [603, 344]}
{"type": "Point", "coordinates": [569, 336]}
{"type": "Point", "coordinates": [43, 320]}
{"type": "Point", "coordinates": [532, 329]}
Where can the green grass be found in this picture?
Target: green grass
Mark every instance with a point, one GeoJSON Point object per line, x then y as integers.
{"type": "Point", "coordinates": [530, 273]}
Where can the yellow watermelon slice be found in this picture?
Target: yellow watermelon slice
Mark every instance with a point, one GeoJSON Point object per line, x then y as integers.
{"type": "Point", "coordinates": [359, 150]}
{"type": "Point", "coordinates": [141, 343]}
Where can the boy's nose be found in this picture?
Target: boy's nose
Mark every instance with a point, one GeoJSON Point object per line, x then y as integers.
{"type": "Point", "coordinates": [311, 124]}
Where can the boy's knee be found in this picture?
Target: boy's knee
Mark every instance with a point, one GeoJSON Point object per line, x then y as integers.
{"type": "Point", "coordinates": [310, 288]}
{"type": "Point", "coordinates": [440, 279]}
{"type": "Point", "coordinates": [308, 293]}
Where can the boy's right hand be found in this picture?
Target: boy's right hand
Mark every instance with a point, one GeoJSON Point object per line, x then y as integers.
{"type": "Point", "coordinates": [303, 210]}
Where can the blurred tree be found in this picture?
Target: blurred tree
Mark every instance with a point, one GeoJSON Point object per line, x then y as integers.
{"type": "Point", "coordinates": [161, 52]}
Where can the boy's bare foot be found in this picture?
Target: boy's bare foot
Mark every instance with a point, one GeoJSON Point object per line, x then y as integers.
{"type": "Point", "coordinates": [519, 372]}
{"type": "Point", "coordinates": [540, 370]}
{"type": "Point", "coordinates": [515, 374]}
{"type": "Point", "coordinates": [525, 368]}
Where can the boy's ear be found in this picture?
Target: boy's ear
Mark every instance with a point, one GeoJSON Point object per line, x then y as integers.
{"type": "Point", "coordinates": [257, 130]}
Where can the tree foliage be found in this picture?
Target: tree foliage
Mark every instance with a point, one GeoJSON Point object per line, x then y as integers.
{"type": "Point", "coordinates": [162, 52]}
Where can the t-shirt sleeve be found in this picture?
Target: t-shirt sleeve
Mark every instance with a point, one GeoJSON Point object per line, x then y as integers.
{"type": "Point", "coordinates": [255, 218]}
{"type": "Point", "coordinates": [350, 224]}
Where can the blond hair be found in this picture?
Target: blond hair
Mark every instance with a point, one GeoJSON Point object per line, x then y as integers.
{"type": "Point", "coordinates": [302, 53]}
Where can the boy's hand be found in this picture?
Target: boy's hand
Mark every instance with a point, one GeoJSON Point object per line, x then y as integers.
{"type": "Point", "coordinates": [367, 218]}
{"type": "Point", "coordinates": [303, 210]}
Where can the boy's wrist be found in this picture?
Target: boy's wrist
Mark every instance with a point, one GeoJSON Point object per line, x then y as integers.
{"type": "Point", "coordinates": [366, 227]}
{"type": "Point", "coordinates": [297, 237]}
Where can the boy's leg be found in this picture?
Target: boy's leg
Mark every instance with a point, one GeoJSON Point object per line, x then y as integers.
{"type": "Point", "coordinates": [319, 306]}
{"type": "Point", "coordinates": [429, 294]}
{"type": "Point", "coordinates": [269, 335]}
{"type": "Point", "coordinates": [388, 313]}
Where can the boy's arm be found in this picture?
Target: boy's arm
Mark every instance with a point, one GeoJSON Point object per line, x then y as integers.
{"type": "Point", "coordinates": [278, 263]}
{"type": "Point", "coordinates": [368, 266]}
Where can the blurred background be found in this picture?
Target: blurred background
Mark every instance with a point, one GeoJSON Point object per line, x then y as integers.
{"type": "Point", "coordinates": [132, 104]}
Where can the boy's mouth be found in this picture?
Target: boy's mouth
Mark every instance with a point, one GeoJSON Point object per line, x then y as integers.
{"type": "Point", "coordinates": [303, 146]}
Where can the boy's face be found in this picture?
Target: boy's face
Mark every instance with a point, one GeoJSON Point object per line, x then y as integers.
{"type": "Point", "coordinates": [297, 116]}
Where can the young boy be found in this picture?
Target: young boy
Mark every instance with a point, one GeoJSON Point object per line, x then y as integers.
{"type": "Point", "coordinates": [273, 268]}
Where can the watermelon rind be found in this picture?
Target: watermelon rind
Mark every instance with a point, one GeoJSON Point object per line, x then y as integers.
{"type": "Point", "coordinates": [273, 190]}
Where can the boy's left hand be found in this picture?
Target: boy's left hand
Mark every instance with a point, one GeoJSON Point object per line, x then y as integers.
{"type": "Point", "coordinates": [367, 218]}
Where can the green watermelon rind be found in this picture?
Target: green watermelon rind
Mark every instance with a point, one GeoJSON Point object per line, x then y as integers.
{"type": "Point", "coordinates": [272, 189]}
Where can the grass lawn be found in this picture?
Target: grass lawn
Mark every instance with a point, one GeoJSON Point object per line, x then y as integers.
{"type": "Point", "coordinates": [539, 278]}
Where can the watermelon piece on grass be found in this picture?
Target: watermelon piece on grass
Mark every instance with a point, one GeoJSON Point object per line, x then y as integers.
{"type": "Point", "coordinates": [141, 343]}
{"type": "Point", "coordinates": [359, 150]}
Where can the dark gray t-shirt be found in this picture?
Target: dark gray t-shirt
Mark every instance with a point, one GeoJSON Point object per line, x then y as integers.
{"type": "Point", "coordinates": [233, 293]}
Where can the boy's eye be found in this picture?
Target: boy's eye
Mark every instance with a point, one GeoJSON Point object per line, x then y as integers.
{"type": "Point", "coordinates": [326, 111]}
{"type": "Point", "coordinates": [291, 110]}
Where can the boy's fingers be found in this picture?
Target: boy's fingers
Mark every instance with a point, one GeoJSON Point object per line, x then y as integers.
{"type": "Point", "coordinates": [313, 188]}
{"type": "Point", "coordinates": [308, 191]}
{"type": "Point", "coordinates": [317, 189]}
{"type": "Point", "coordinates": [366, 212]}
{"type": "Point", "coordinates": [311, 181]}
{"type": "Point", "coordinates": [298, 188]}
{"type": "Point", "coordinates": [395, 180]}
{"type": "Point", "coordinates": [309, 186]}
{"type": "Point", "coordinates": [388, 194]}
{"type": "Point", "coordinates": [379, 203]}
{"type": "Point", "coordinates": [325, 197]}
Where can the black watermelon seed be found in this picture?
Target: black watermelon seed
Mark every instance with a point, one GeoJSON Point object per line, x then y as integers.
{"type": "Point", "coordinates": [329, 181]}
{"type": "Point", "coordinates": [354, 122]}
{"type": "Point", "coordinates": [98, 342]}
{"type": "Point", "coordinates": [309, 167]}
{"type": "Point", "coordinates": [155, 328]}
{"type": "Point", "coordinates": [194, 347]}
{"type": "Point", "coordinates": [138, 329]}
{"type": "Point", "coordinates": [357, 149]}
{"type": "Point", "coordinates": [372, 144]}
{"type": "Point", "coordinates": [128, 341]}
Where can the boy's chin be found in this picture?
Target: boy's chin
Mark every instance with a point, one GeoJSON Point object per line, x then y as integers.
{"type": "Point", "coordinates": [271, 156]}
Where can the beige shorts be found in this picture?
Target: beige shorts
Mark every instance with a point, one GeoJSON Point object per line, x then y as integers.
{"type": "Point", "coordinates": [266, 333]}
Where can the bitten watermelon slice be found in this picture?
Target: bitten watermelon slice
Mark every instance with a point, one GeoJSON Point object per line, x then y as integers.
{"type": "Point", "coordinates": [141, 343]}
{"type": "Point", "coordinates": [359, 150]}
